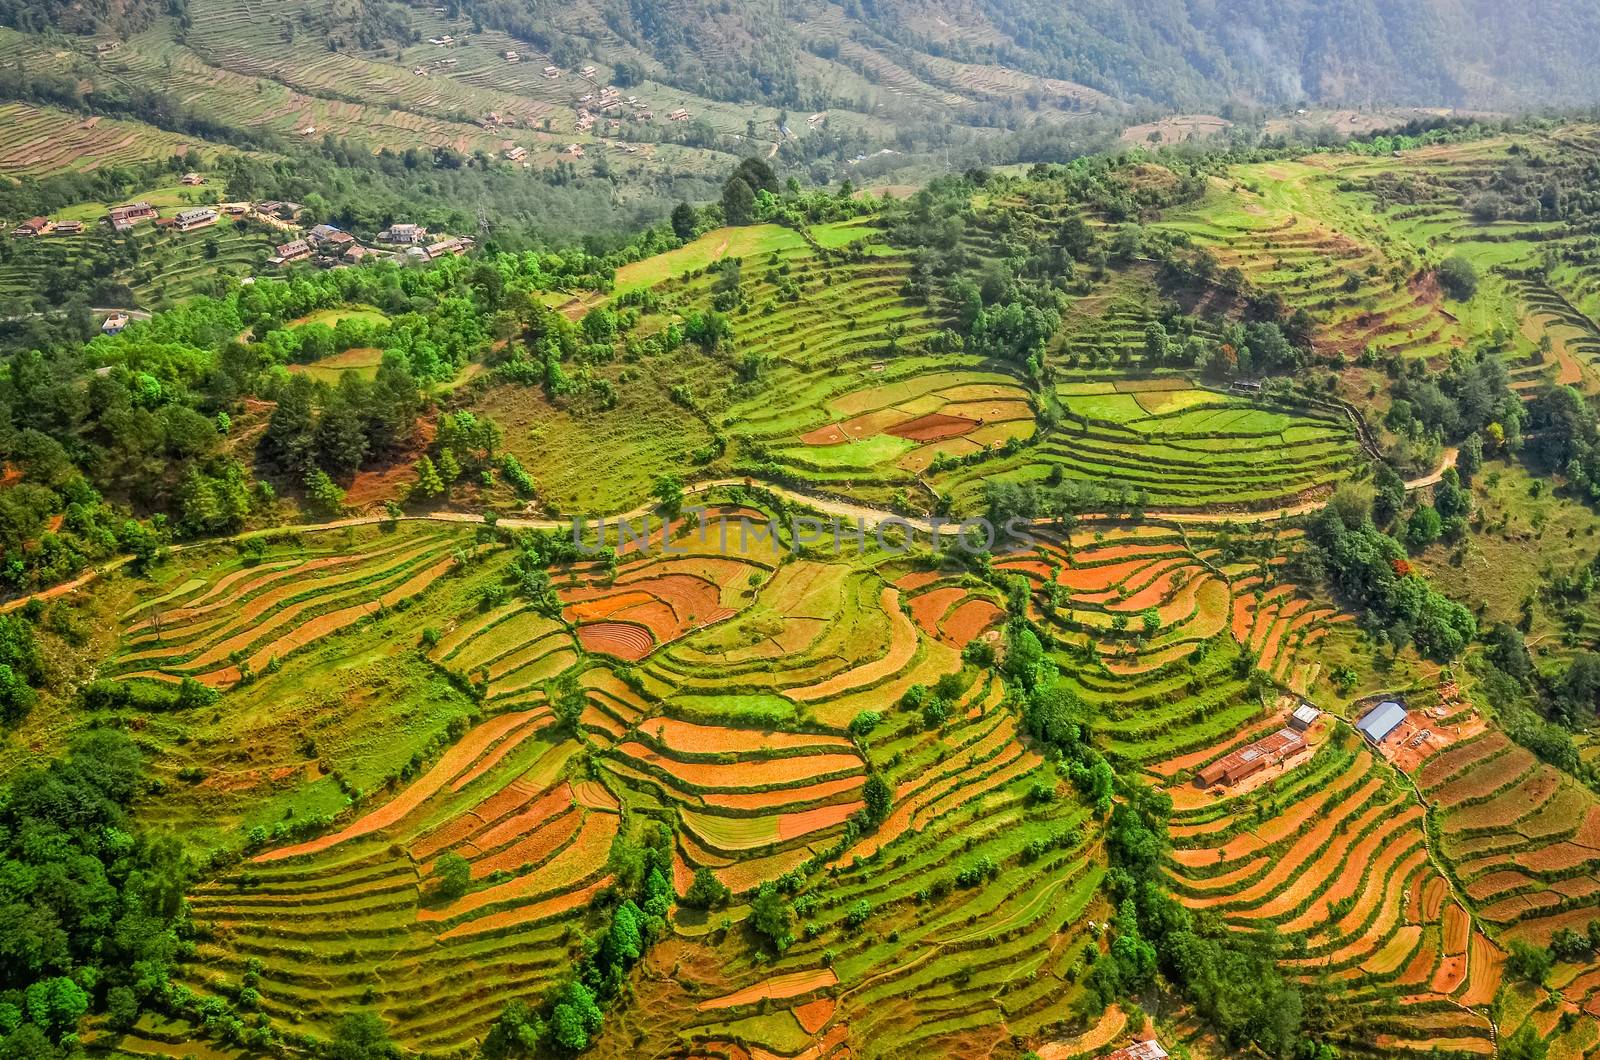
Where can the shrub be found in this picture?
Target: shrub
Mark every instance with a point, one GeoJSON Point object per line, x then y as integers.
{"type": "Point", "coordinates": [451, 876]}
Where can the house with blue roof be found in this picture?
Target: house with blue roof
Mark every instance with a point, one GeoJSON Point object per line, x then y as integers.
{"type": "Point", "coordinates": [1381, 720]}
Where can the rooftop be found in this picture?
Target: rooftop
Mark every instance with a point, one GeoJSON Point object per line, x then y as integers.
{"type": "Point", "coordinates": [1381, 720]}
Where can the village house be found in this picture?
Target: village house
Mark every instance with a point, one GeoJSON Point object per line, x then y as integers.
{"type": "Point", "coordinates": [114, 323]}
{"type": "Point", "coordinates": [510, 56]}
{"type": "Point", "coordinates": [68, 228]}
{"type": "Point", "coordinates": [192, 180]}
{"type": "Point", "coordinates": [442, 42]}
{"type": "Point", "coordinates": [123, 218]}
{"type": "Point", "coordinates": [680, 114]}
{"type": "Point", "coordinates": [587, 71]}
{"type": "Point", "coordinates": [455, 245]}
{"type": "Point", "coordinates": [1232, 768]}
{"type": "Point", "coordinates": [404, 233]}
{"type": "Point", "coordinates": [357, 253]}
{"type": "Point", "coordinates": [516, 154]}
{"type": "Point", "coordinates": [37, 226]}
{"type": "Point", "coordinates": [1150, 1050]}
{"type": "Point", "coordinates": [199, 217]}
{"type": "Point", "coordinates": [283, 211]}
{"type": "Point", "coordinates": [552, 72]}
{"type": "Point", "coordinates": [291, 251]}
{"type": "Point", "coordinates": [573, 151]}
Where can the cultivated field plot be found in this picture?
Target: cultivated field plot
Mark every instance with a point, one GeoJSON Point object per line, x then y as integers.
{"type": "Point", "coordinates": [39, 142]}
{"type": "Point", "coordinates": [1178, 446]}
{"type": "Point", "coordinates": [719, 685]}
{"type": "Point", "coordinates": [1333, 853]}
{"type": "Point", "coordinates": [241, 618]}
{"type": "Point", "coordinates": [907, 424]}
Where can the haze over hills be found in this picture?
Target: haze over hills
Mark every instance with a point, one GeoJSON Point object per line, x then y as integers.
{"type": "Point", "coordinates": [1167, 53]}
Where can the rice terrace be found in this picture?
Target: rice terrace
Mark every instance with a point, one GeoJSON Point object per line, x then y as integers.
{"type": "Point", "coordinates": [797, 532]}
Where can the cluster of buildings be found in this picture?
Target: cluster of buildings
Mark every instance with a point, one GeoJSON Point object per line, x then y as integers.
{"type": "Point", "coordinates": [1273, 749]}
{"type": "Point", "coordinates": [1378, 726]}
{"type": "Point", "coordinates": [128, 216]}
{"type": "Point", "coordinates": [43, 226]}
{"type": "Point", "coordinates": [613, 106]}
{"type": "Point", "coordinates": [333, 246]}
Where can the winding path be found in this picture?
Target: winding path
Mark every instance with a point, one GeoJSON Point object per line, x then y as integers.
{"type": "Point", "coordinates": [868, 516]}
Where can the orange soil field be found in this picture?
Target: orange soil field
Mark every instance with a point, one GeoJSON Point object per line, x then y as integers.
{"type": "Point", "coordinates": [1442, 765]}
{"type": "Point", "coordinates": [777, 988]}
{"type": "Point", "coordinates": [743, 776]}
{"type": "Point", "coordinates": [804, 822]}
{"type": "Point", "coordinates": [585, 855]}
{"type": "Point", "coordinates": [548, 909]}
{"type": "Point", "coordinates": [538, 808]}
{"type": "Point", "coordinates": [933, 427]}
{"type": "Point", "coordinates": [693, 738]}
{"type": "Point", "coordinates": [763, 800]}
{"type": "Point", "coordinates": [969, 620]}
{"type": "Point", "coordinates": [814, 1015]}
{"type": "Point", "coordinates": [620, 639]}
{"type": "Point", "coordinates": [902, 646]}
{"type": "Point", "coordinates": [452, 763]}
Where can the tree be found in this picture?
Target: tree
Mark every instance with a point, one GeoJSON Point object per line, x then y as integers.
{"type": "Point", "coordinates": [772, 916]}
{"type": "Point", "coordinates": [569, 701]}
{"type": "Point", "coordinates": [575, 1017]}
{"type": "Point", "coordinates": [56, 1005]}
{"type": "Point", "coordinates": [1458, 277]}
{"type": "Point", "coordinates": [325, 497]}
{"type": "Point", "coordinates": [428, 483]}
{"type": "Point", "coordinates": [361, 1036]}
{"type": "Point", "coordinates": [738, 202]}
{"type": "Point", "coordinates": [757, 173]}
{"type": "Point", "coordinates": [1527, 962]}
{"type": "Point", "coordinates": [449, 467]}
{"type": "Point", "coordinates": [1352, 503]}
{"type": "Point", "coordinates": [668, 492]}
{"type": "Point", "coordinates": [1423, 528]}
{"type": "Point", "coordinates": [451, 876]}
{"type": "Point", "coordinates": [1526, 1044]}
{"type": "Point", "coordinates": [879, 798]}
{"type": "Point", "coordinates": [684, 221]}
{"type": "Point", "coordinates": [515, 1034]}
{"type": "Point", "coordinates": [705, 890]}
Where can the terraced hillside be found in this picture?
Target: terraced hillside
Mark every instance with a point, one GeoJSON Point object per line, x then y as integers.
{"type": "Point", "coordinates": [767, 768]}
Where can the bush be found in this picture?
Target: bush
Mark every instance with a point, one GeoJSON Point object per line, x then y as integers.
{"type": "Point", "coordinates": [705, 891]}
{"type": "Point", "coordinates": [1458, 277]}
{"type": "Point", "coordinates": [451, 876]}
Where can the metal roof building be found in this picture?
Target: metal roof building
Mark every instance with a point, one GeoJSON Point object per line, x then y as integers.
{"type": "Point", "coordinates": [1304, 716]}
{"type": "Point", "coordinates": [1381, 720]}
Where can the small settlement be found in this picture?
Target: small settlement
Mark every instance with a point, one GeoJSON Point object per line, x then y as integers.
{"type": "Point", "coordinates": [324, 244]}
